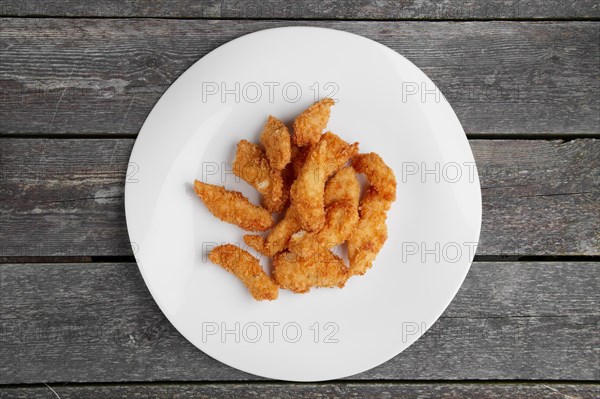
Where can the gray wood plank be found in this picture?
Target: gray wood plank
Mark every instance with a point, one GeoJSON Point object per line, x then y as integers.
{"type": "Point", "coordinates": [103, 76]}
{"type": "Point", "coordinates": [98, 323]}
{"type": "Point", "coordinates": [300, 391]}
{"type": "Point", "coordinates": [64, 197]}
{"type": "Point", "coordinates": [307, 9]}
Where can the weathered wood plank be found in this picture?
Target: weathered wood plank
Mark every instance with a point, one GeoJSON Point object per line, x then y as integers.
{"type": "Point", "coordinates": [299, 391]}
{"type": "Point", "coordinates": [307, 9]}
{"type": "Point", "coordinates": [65, 197]}
{"type": "Point", "coordinates": [89, 76]}
{"type": "Point", "coordinates": [508, 321]}
{"type": "Point", "coordinates": [58, 179]}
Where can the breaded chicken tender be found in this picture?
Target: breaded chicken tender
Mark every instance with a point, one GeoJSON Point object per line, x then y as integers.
{"type": "Point", "coordinates": [342, 194]}
{"type": "Point", "coordinates": [307, 192]}
{"type": "Point", "coordinates": [309, 125]}
{"type": "Point", "coordinates": [251, 164]}
{"type": "Point", "coordinates": [255, 242]}
{"type": "Point", "coordinates": [371, 231]}
{"type": "Point", "coordinates": [299, 155]}
{"type": "Point", "coordinates": [343, 186]}
{"type": "Point", "coordinates": [340, 221]}
{"type": "Point", "coordinates": [276, 139]}
{"type": "Point", "coordinates": [278, 238]}
{"type": "Point", "coordinates": [233, 207]}
{"type": "Point", "coordinates": [247, 268]}
{"type": "Point", "coordinates": [301, 274]}
{"type": "Point", "coordinates": [380, 176]}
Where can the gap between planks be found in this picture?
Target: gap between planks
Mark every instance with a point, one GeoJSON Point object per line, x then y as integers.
{"type": "Point", "coordinates": [301, 19]}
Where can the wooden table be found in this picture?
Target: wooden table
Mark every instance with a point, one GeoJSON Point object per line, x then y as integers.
{"type": "Point", "coordinates": [78, 78]}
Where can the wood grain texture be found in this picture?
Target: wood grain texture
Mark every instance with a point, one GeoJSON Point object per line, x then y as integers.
{"type": "Point", "coordinates": [98, 323]}
{"type": "Point", "coordinates": [103, 76]}
{"type": "Point", "coordinates": [299, 391]}
{"type": "Point", "coordinates": [307, 9]}
{"type": "Point", "coordinates": [64, 197]}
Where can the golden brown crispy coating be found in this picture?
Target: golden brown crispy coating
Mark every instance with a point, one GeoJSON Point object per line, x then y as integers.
{"type": "Point", "coordinates": [247, 268]}
{"type": "Point", "coordinates": [278, 238]}
{"type": "Point", "coordinates": [340, 221]}
{"type": "Point", "coordinates": [307, 192]}
{"type": "Point", "coordinates": [288, 177]}
{"type": "Point", "coordinates": [342, 194]}
{"type": "Point", "coordinates": [282, 202]}
{"type": "Point", "coordinates": [233, 207]}
{"type": "Point", "coordinates": [252, 165]}
{"type": "Point", "coordinates": [301, 274]}
{"type": "Point", "coordinates": [370, 233]}
{"type": "Point", "coordinates": [380, 176]}
{"type": "Point", "coordinates": [343, 186]}
{"type": "Point", "coordinates": [310, 123]}
{"type": "Point", "coordinates": [276, 139]}
{"type": "Point", "coordinates": [299, 155]}
{"type": "Point", "coordinates": [256, 242]}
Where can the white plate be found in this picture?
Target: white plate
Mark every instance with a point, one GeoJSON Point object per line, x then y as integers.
{"type": "Point", "coordinates": [384, 102]}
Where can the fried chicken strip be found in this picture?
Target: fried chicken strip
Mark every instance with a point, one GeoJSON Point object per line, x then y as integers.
{"type": "Point", "coordinates": [307, 192]}
{"type": "Point", "coordinates": [310, 123]}
{"type": "Point", "coordinates": [299, 155]}
{"type": "Point", "coordinates": [233, 207]}
{"type": "Point", "coordinates": [301, 274]}
{"type": "Point", "coordinates": [344, 187]}
{"type": "Point", "coordinates": [251, 164]}
{"type": "Point", "coordinates": [256, 242]}
{"type": "Point", "coordinates": [342, 194]}
{"type": "Point", "coordinates": [340, 221]}
{"type": "Point", "coordinates": [276, 139]}
{"type": "Point", "coordinates": [370, 233]}
{"type": "Point", "coordinates": [380, 176]}
{"type": "Point", "coordinates": [247, 268]}
{"type": "Point", "coordinates": [278, 238]}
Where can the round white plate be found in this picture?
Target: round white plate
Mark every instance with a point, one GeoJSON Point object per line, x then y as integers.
{"type": "Point", "coordinates": [384, 102]}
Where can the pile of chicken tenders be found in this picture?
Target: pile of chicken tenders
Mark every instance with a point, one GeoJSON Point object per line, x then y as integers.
{"type": "Point", "coordinates": [304, 175]}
